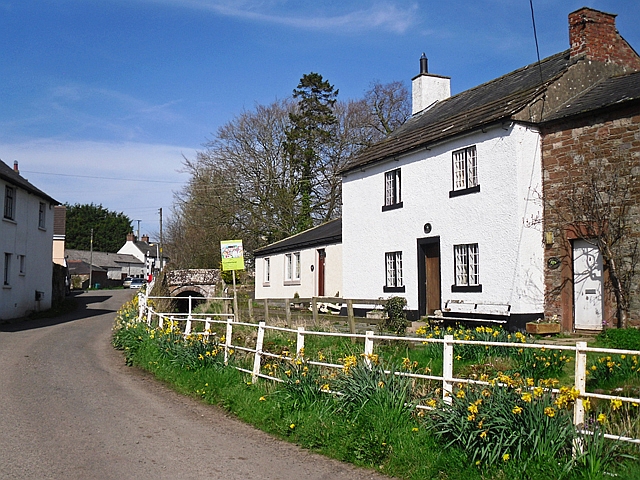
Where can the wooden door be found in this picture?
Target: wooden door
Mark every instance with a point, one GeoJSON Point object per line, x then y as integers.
{"type": "Point", "coordinates": [432, 276]}
{"type": "Point", "coordinates": [322, 255]}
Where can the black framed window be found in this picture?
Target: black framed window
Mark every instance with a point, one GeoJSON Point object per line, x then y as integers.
{"type": "Point", "coordinates": [466, 268]}
{"type": "Point", "coordinates": [465, 171]}
{"type": "Point", "coordinates": [392, 190]}
{"type": "Point", "coordinates": [393, 266]}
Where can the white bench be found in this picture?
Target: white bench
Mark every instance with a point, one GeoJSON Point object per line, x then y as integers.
{"type": "Point", "coordinates": [473, 308]}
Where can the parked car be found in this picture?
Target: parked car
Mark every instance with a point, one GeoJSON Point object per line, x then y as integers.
{"type": "Point", "coordinates": [127, 282]}
{"type": "Point", "coordinates": [137, 283]}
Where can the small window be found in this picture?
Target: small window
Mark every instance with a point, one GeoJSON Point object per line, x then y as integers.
{"type": "Point", "coordinates": [467, 268]}
{"type": "Point", "coordinates": [9, 202]}
{"type": "Point", "coordinates": [22, 264]}
{"type": "Point", "coordinates": [267, 271]}
{"type": "Point", "coordinates": [292, 267]}
{"type": "Point", "coordinates": [7, 269]}
{"type": "Point", "coordinates": [393, 264]}
{"type": "Point", "coordinates": [41, 215]}
{"type": "Point", "coordinates": [392, 190]}
{"type": "Point", "coordinates": [465, 172]}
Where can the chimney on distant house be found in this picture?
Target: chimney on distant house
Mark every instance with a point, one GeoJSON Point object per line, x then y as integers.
{"type": "Point", "coordinates": [593, 34]}
{"type": "Point", "coordinates": [145, 238]}
{"type": "Point", "coordinates": [131, 237]}
{"type": "Point", "coordinates": [15, 166]}
{"type": "Point", "coordinates": [427, 89]}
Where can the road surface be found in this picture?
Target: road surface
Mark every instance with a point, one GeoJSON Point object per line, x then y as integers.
{"type": "Point", "coordinates": [71, 409]}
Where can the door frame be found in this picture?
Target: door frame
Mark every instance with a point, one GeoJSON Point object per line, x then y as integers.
{"type": "Point", "coordinates": [321, 271]}
{"type": "Point", "coordinates": [422, 271]}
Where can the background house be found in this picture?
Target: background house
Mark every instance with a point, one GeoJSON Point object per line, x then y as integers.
{"type": "Point", "coordinates": [308, 264]}
{"type": "Point", "coordinates": [26, 245]}
{"type": "Point", "coordinates": [446, 211]}
{"type": "Point", "coordinates": [117, 266]}
{"type": "Point", "coordinates": [148, 253]}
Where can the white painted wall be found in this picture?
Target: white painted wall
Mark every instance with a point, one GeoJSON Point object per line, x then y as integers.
{"type": "Point", "coordinates": [24, 237]}
{"type": "Point", "coordinates": [511, 252]}
{"type": "Point", "coordinates": [308, 285]}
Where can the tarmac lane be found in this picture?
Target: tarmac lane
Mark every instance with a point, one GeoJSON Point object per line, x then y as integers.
{"type": "Point", "coordinates": [71, 409]}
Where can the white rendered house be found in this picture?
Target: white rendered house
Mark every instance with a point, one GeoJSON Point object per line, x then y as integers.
{"type": "Point", "coordinates": [26, 245]}
{"type": "Point", "coordinates": [308, 264]}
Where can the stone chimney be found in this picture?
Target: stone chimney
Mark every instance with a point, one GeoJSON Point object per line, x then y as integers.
{"type": "Point", "coordinates": [427, 89]}
{"type": "Point", "coordinates": [131, 237]}
{"type": "Point", "coordinates": [593, 34]}
{"type": "Point", "coordinates": [145, 238]}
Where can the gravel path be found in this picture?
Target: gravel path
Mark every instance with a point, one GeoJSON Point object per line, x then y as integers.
{"type": "Point", "coordinates": [71, 409]}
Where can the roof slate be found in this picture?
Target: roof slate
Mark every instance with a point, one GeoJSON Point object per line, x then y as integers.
{"type": "Point", "coordinates": [609, 92]}
{"type": "Point", "coordinates": [103, 259]}
{"type": "Point", "coordinates": [9, 175]}
{"type": "Point", "coordinates": [485, 104]}
{"type": "Point", "coordinates": [325, 234]}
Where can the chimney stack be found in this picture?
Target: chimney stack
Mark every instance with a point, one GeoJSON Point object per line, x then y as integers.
{"type": "Point", "coordinates": [593, 34]}
{"type": "Point", "coordinates": [131, 237]}
{"type": "Point", "coordinates": [15, 166]}
{"type": "Point", "coordinates": [427, 89]}
{"type": "Point", "coordinates": [145, 238]}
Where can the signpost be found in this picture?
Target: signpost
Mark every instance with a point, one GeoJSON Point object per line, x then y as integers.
{"type": "Point", "coordinates": [233, 259]}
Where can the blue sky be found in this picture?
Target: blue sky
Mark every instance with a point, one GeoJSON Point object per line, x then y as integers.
{"type": "Point", "coordinates": [100, 100]}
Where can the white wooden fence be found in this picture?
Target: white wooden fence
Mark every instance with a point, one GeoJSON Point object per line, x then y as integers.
{"type": "Point", "coordinates": [370, 338]}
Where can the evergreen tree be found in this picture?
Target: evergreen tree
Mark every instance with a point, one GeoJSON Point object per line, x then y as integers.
{"type": "Point", "coordinates": [110, 229]}
{"type": "Point", "coordinates": [309, 136]}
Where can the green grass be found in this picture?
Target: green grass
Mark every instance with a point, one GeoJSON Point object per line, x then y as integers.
{"type": "Point", "coordinates": [370, 425]}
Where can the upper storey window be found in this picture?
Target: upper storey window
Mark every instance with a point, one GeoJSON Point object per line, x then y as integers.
{"type": "Point", "coordinates": [392, 190]}
{"type": "Point", "coordinates": [465, 172]}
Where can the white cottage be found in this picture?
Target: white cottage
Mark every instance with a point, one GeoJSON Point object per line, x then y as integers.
{"type": "Point", "coordinates": [308, 264]}
{"type": "Point", "coordinates": [26, 245]}
{"type": "Point", "coordinates": [445, 212]}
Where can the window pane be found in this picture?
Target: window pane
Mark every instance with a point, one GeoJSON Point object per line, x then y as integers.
{"type": "Point", "coordinates": [474, 277]}
{"type": "Point", "coordinates": [297, 266]}
{"type": "Point", "coordinates": [472, 167]}
{"type": "Point", "coordinates": [399, 269]}
{"type": "Point", "coordinates": [461, 266]}
{"type": "Point", "coordinates": [459, 169]}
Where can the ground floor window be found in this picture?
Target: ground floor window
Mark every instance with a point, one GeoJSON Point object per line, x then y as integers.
{"type": "Point", "coordinates": [467, 267]}
{"type": "Point", "coordinates": [393, 263]}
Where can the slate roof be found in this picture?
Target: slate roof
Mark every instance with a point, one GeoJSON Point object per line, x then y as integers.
{"type": "Point", "coordinates": [325, 234]}
{"type": "Point", "coordinates": [9, 175]}
{"type": "Point", "coordinates": [103, 259]}
{"type": "Point", "coordinates": [609, 92]}
{"type": "Point", "coordinates": [483, 105]}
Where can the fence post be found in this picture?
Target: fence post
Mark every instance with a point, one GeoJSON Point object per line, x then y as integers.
{"type": "Point", "coordinates": [581, 385]}
{"type": "Point", "coordinates": [447, 370]}
{"type": "Point", "coordinates": [160, 322]}
{"type": "Point", "coordinates": [207, 327]}
{"type": "Point", "coordinates": [300, 342]}
{"type": "Point", "coordinates": [250, 305]}
{"type": "Point", "coordinates": [266, 310]}
{"type": "Point", "coordinates": [368, 347]}
{"type": "Point", "coordinates": [227, 339]}
{"type": "Point", "coordinates": [149, 316]}
{"type": "Point", "coordinates": [351, 319]}
{"type": "Point", "coordinates": [142, 305]}
{"type": "Point", "coordinates": [187, 327]}
{"type": "Point", "coordinates": [314, 309]}
{"type": "Point", "coordinates": [287, 311]}
{"type": "Point", "coordinates": [258, 355]}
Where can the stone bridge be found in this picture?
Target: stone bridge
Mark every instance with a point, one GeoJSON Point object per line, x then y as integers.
{"type": "Point", "coordinates": [194, 282]}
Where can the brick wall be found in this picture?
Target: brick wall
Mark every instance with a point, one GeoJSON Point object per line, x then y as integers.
{"type": "Point", "coordinates": [594, 34]}
{"type": "Point", "coordinates": [569, 151]}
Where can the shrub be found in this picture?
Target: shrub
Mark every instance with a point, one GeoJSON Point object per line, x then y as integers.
{"type": "Point", "coordinates": [395, 319]}
{"type": "Point", "coordinates": [622, 338]}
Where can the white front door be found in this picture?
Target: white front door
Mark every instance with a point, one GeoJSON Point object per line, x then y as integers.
{"type": "Point", "coordinates": [587, 286]}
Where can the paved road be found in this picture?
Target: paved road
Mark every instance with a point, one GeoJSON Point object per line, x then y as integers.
{"type": "Point", "coordinates": [71, 409]}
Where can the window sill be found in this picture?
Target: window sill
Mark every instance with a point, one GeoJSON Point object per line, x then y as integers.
{"type": "Point", "coordinates": [465, 191]}
{"type": "Point", "coordinates": [266, 284]}
{"type": "Point", "coordinates": [393, 289]}
{"type": "Point", "coordinates": [9, 220]}
{"type": "Point", "coordinates": [466, 288]}
{"type": "Point", "coordinates": [291, 282]}
{"type": "Point", "coordinates": [42, 229]}
{"type": "Point", "coordinates": [6, 287]}
{"type": "Point", "coordinates": [386, 208]}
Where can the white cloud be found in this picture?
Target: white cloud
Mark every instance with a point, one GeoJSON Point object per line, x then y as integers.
{"type": "Point", "coordinates": [396, 17]}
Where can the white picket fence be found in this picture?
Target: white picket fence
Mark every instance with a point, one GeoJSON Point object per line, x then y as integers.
{"type": "Point", "coordinates": [447, 379]}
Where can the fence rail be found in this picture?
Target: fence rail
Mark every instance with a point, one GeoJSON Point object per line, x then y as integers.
{"type": "Point", "coordinates": [370, 338]}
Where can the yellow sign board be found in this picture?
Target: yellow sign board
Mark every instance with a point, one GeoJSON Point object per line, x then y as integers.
{"type": "Point", "coordinates": [232, 255]}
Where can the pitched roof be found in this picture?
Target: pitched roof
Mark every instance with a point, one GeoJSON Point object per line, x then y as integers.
{"type": "Point", "coordinates": [103, 259]}
{"type": "Point", "coordinates": [483, 105]}
{"type": "Point", "coordinates": [9, 175]}
{"type": "Point", "coordinates": [609, 92]}
{"type": "Point", "coordinates": [325, 234]}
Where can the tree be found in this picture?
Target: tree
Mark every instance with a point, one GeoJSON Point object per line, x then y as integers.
{"type": "Point", "coordinates": [389, 106]}
{"type": "Point", "coordinates": [308, 136]}
{"type": "Point", "coordinates": [110, 229]}
{"type": "Point", "coordinates": [598, 206]}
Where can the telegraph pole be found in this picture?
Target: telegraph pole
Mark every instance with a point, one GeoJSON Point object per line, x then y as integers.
{"type": "Point", "coordinates": [91, 260]}
{"type": "Point", "coordinates": [138, 237]}
{"type": "Point", "coordinates": [161, 256]}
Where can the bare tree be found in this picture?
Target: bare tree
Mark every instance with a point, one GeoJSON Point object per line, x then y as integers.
{"type": "Point", "coordinates": [389, 106]}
